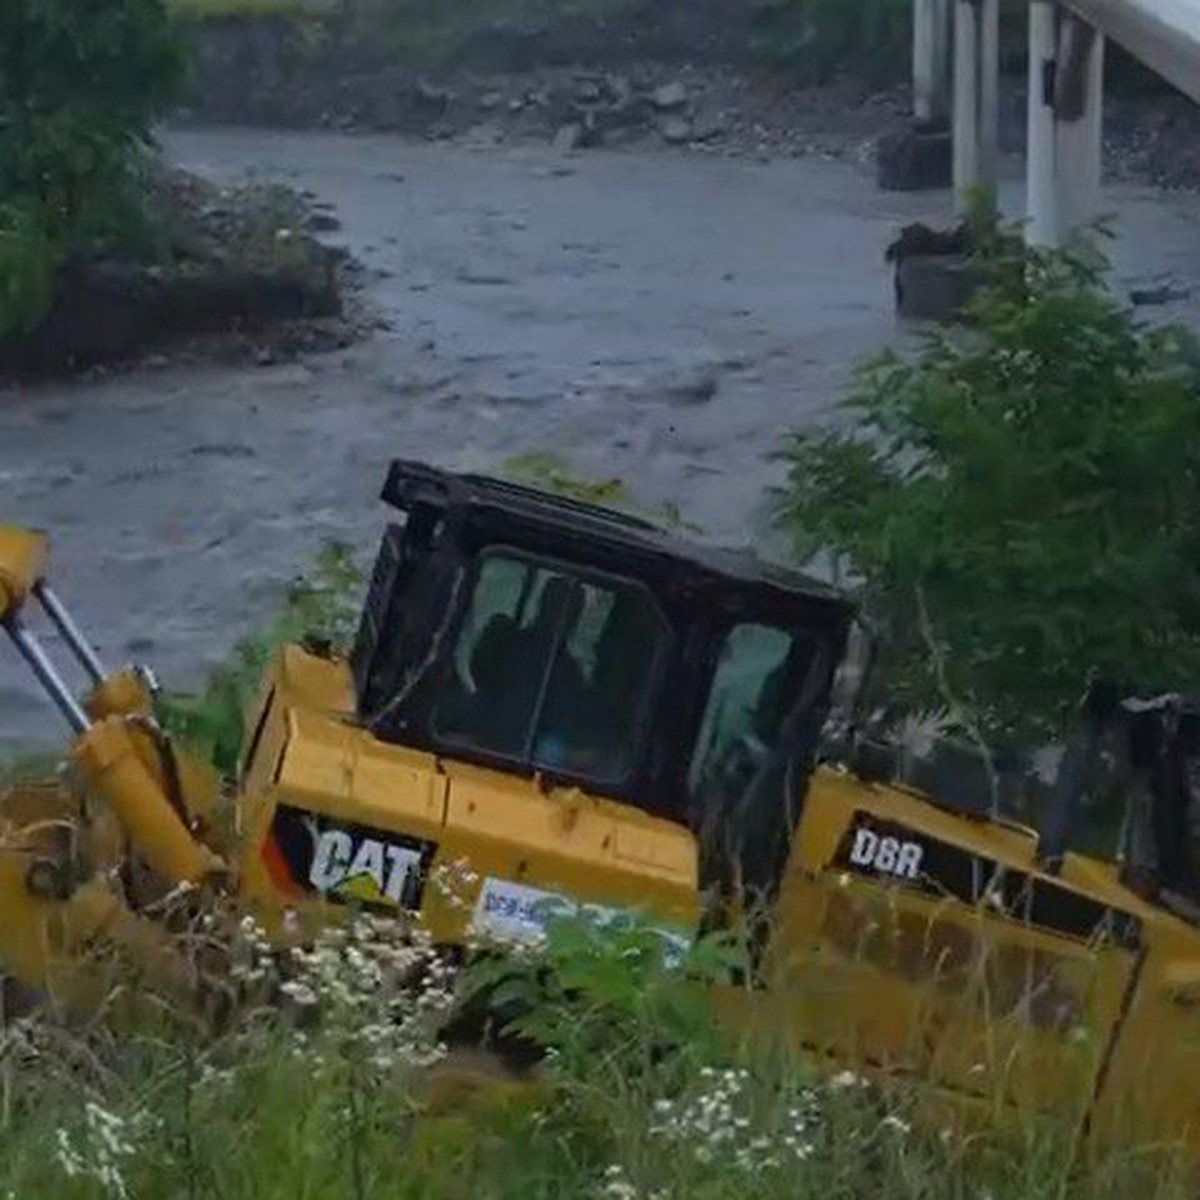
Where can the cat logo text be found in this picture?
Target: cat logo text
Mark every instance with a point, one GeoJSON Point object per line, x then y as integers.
{"type": "Point", "coordinates": [364, 870]}
{"type": "Point", "coordinates": [309, 853]}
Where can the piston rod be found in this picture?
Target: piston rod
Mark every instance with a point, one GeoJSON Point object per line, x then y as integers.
{"type": "Point", "coordinates": [39, 662]}
{"type": "Point", "coordinates": [62, 620]}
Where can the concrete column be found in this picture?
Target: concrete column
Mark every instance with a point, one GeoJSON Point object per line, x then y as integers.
{"type": "Point", "coordinates": [966, 99]}
{"type": "Point", "coordinates": [989, 93]}
{"type": "Point", "coordinates": [1041, 198]}
{"type": "Point", "coordinates": [1066, 106]}
{"type": "Point", "coordinates": [976, 98]}
{"type": "Point", "coordinates": [931, 61]}
{"type": "Point", "coordinates": [1080, 124]}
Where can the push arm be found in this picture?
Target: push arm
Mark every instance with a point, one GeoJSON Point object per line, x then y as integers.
{"type": "Point", "coordinates": [112, 729]}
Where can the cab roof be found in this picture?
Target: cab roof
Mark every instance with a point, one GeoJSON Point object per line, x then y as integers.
{"type": "Point", "coordinates": [498, 507]}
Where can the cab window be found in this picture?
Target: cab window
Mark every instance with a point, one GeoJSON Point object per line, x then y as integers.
{"type": "Point", "coordinates": [737, 781]}
{"type": "Point", "coordinates": [553, 669]}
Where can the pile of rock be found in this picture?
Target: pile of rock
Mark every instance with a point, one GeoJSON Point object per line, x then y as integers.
{"type": "Point", "coordinates": [608, 109]}
{"type": "Point", "coordinates": [597, 101]}
{"type": "Point", "coordinates": [655, 104]}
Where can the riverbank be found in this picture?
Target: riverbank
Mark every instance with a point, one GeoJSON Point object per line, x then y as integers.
{"type": "Point", "coordinates": [699, 78]}
{"type": "Point", "coordinates": [227, 271]}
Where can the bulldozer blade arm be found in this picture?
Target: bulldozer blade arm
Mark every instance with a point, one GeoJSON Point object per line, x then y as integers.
{"type": "Point", "coordinates": [90, 953]}
{"type": "Point", "coordinates": [49, 817]}
{"type": "Point", "coordinates": [67, 935]}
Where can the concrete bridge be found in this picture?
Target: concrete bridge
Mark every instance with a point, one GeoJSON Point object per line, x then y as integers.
{"type": "Point", "coordinates": [956, 76]}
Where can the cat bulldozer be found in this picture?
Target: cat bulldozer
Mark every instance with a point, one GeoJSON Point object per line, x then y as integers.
{"type": "Point", "coordinates": [563, 709]}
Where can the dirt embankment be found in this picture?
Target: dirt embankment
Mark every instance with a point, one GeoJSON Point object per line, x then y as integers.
{"type": "Point", "coordinates": [674, 83]}
{"type": "Point", "coordinates": [224, 272]}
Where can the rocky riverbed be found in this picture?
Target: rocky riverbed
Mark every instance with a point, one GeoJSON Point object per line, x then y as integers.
{"type": "Point", "coordinates": [661, 318]}
{"type": "Point", "coordinates": [267, 73]}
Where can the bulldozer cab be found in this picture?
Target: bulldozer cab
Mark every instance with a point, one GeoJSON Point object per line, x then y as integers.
{"type": "Point", "coordinates": [540, 636]}
{"type": "Point", "coordinates": [580, 706]}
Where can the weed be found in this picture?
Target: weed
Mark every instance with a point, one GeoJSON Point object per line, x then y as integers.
{"type": "Point", "coordinates": [550, 473]}
{"type": "Point", "coordinates": [28, 766]}
{"type": "Point", "coordinates": [321, 609]}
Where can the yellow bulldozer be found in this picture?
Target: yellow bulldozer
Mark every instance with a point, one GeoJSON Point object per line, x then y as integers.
{"type": "Point", "coordinates": [572, 710]}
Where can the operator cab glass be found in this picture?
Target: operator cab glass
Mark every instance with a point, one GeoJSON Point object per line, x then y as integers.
{"type": "Point", "coordinates": [739, 769]}
{"type": "Point", "coordinates": [553, 669]}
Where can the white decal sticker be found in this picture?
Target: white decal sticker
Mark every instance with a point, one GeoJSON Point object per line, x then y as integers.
{"type": "Point", "coordinates": [519, 913]}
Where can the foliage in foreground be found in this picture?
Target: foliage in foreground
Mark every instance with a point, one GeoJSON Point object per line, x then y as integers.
{"type": "Point", "coordinates": [347, 1091]}
{"type": "Point", "coordinates": [1020, 500]}
{"type": "Point", "coordinates": [80, 88]}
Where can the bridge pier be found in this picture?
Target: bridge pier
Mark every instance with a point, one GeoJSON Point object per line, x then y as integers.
{"type": "Point", "coordinates": [1065, 113]}
{"type": "Point", "coordinates": [931, 61]}
{"type": "Point", "coordinates": [1066, 103]}
{"type": "Point", "coordinates": [976, 115]}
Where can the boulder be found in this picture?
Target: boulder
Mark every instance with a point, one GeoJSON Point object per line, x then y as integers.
{"type": "Point", "coordinates": [935, 287]}
{"type": "Point", "coordinates": [676, 130]}
{"type": "Point", "coordinates": [569, 137]}
{"type": "Point", "coordinates": [670, 97]}
{"type": "Point", "coordinates": [915, 159]}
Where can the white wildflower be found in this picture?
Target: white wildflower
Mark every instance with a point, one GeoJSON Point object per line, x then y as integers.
{"type": "Point", "coordinates": [616, 1186]}
{"type": "Point", "coordinates": [101, 1148]}
{"type": "Point", "coordinates": [845, 1080]}
{"type": "Point", "coordinates": [379, 987]}
{"type": "Point", "coordinates": [720, 1123]}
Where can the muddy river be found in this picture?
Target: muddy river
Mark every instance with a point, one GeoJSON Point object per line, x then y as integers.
{"type": "Point", "coordinates": [663, 318]}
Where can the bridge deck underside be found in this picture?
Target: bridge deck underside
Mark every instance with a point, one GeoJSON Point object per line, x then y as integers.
{"type": "Point", "coordinates": [1164, 34]}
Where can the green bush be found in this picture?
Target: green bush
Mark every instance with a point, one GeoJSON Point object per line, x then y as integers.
{"type": "Point", "coordinates": [323, 606]}
{"type": "Point", "coordinates": [81, 82]}
{"type": "Point", "coordinates": [1020, 500]}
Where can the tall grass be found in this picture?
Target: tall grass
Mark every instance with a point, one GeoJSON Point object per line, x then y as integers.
{"type": "Point", "coordinates": [27, 766]}
{"type": "Point", "coordinates": [347, 1092]}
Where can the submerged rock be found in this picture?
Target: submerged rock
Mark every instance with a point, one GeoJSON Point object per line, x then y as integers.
{"type": "Point", "coordinates": [670, 97]}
